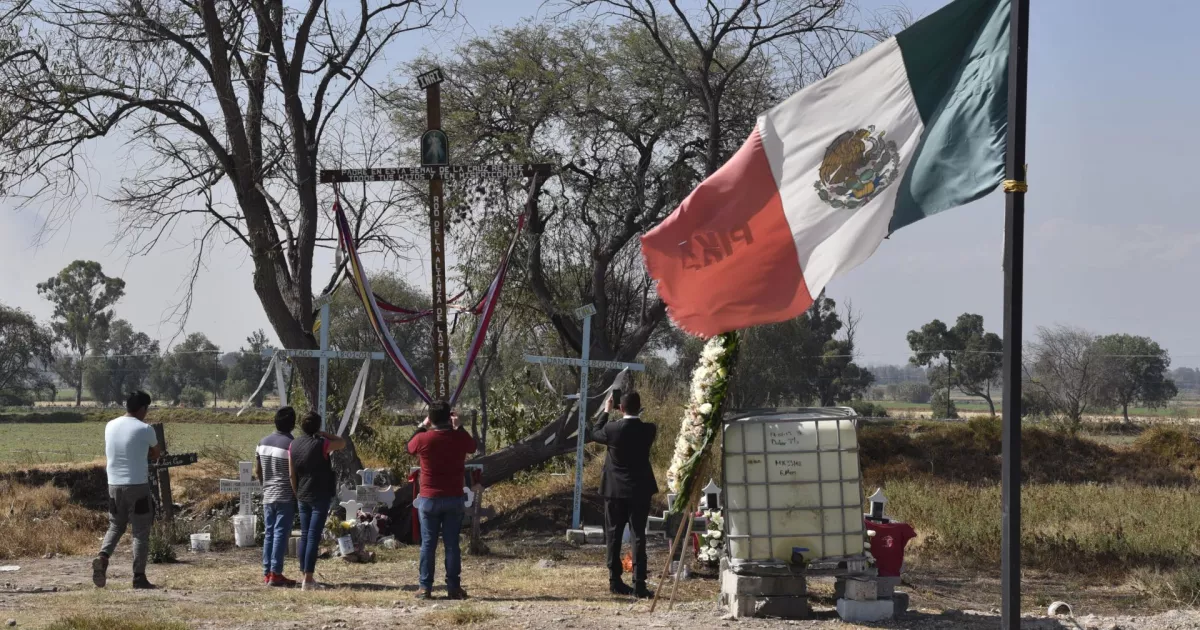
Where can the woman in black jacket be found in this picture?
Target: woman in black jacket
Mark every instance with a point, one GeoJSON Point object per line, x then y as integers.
{"type": "Point", "coordinates": [315, 486]}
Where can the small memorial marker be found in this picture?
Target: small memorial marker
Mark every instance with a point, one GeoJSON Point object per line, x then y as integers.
{"type": "Point", "coordinates": [244, 486]}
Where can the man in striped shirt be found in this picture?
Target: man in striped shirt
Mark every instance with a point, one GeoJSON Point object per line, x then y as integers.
{"type": "Point", "coordinates": [279, 502]}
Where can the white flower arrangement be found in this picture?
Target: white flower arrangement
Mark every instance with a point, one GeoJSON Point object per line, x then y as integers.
{"type": "Point", "coordinates": [712, 541]}
{"type": "Point", "coordinates": [702, 416]}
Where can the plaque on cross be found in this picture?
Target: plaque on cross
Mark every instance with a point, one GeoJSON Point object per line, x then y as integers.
{"type": "Point", "coordinates": [435, 167]}
{"type": "Point", "coordinates": [244, 486]}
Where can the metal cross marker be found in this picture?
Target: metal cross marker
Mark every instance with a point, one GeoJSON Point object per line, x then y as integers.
{"type": "Point", "coordinates": [583, 363]}
{"type": "Point", "coordinates": [435, 167]}
{"type": "Point", "coordinates": [244, 486]}
{"type": "Point", "coordinates": [324, 355]}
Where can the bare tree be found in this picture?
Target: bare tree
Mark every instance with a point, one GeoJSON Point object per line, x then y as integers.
{"type": "Point", "coordinates": [225, 105]}
{"type": "Point", "coordinates": [1067, 371]}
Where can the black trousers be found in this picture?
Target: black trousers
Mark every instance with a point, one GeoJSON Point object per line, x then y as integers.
{"type": "Point", "coordinates": [618, 512]}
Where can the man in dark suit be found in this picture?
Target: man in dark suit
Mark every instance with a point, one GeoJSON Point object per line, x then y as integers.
{"type": "Point", "coordinates": [627, 487]}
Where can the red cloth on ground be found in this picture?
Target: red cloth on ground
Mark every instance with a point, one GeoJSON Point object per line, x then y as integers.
{"type": "Point", "coordinates": [443, 461]}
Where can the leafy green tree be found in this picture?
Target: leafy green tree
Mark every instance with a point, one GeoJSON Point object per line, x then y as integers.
{"type": "Point", "coordinates": [1135, 370]}
{"type": "Point", "coordinates": [799, 361]}
{"type": "Point", "coordinates": [972, 355]}
{"type": "Point", "coordinates": [82, 296]}
{"type": "Point", "coordinates": [26, 350]}
{"type": "Point", "coordinates": [248, 369]}
{"type": "Point", "coordinates": [191, 364]}
{"type": "Point", "coordinates": [120, 363]}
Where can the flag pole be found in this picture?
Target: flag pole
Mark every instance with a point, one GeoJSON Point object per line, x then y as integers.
{"type": "Point", "coordinates": [1014, 268]}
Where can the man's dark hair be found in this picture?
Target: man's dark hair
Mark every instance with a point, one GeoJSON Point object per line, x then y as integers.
{"type": "Point", "coordinates": [285, 419]}
{"type": "Point", "coordinates": [137, 401]}
{"type": "Point", "coordinates": [439, 414]}
{"type": "Point", "coordinates": [311, 423]}
{"type": "Point", "coordinates": [631, 403]}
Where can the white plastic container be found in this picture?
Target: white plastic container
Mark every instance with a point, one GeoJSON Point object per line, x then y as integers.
{"type": "Point", "coordinates": [201, 543]}
{"type": "Point", "coordinates": [243, 529]}
{"type": "Point", "coordinates": [345, 545]}
{"type": "Point", "coordinates": [792, 484]}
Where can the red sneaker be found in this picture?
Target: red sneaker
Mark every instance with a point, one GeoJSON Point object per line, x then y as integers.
{"type": "Point", "coordinates": [267, 578]}
{"type": "Point", "coordinates": [280, 581]}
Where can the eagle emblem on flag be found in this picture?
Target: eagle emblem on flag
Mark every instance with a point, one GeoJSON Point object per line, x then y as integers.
{"type": "Point", "coordinates": [857, 165]}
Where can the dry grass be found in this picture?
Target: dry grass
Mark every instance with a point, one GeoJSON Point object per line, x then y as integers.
{"type": "Point", "coordinates": [1175, 589]}
{"type": "Point", "coordinates": [1070, 529]}
{"type": "Point", "coordinates": [107, 622]}
{"type": "Point", "coordinates": [464, 615]}
{"type": "Point", "coordinates": [35, 520]}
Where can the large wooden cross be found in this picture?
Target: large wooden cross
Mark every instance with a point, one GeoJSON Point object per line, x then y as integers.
{"type": "Point", "coordinates": [435, 168]}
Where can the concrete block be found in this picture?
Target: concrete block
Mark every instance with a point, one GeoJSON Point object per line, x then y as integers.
{"type": "Point", "coordinates": [900, 602]}
{"type": "Point", "coordinates": [763, 586]}
{"type": "Point", "coordinates": [784, 607]}
{"type": "Point", "coordinates": [858, 589]}
{"type": "Point", "coordinates": [586, 536]}
{"type": "Point", "coordinates": [740, 606]}
{"type": "Point", "coordinates": [293, 546]}
{"type": "Point", "coordinates": [887, 586]}
{"type": "Point", "coordinates": [854, 611]}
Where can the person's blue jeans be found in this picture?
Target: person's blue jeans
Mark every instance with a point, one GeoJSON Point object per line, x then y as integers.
{"type": "Point", "coordinates": [312, 525]}
{"type": "Point", "coordinates": [442, 515]}
{"type": "Point", "coordinates": [277, 529]}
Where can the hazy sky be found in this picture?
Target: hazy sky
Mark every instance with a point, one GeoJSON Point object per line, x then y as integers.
{"type": "Point", "coordinates": [1113, 229]}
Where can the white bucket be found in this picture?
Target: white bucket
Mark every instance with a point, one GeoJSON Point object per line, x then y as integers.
{"type": "Point", "coordinates": [201, 543]}
{"type": "Point", "coordinates": [345, 545]}
{"type": "Point", "coordinates": [243, 529]}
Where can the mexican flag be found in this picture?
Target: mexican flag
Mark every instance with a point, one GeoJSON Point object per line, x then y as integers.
{"type": "Point", "coordinates": [913, 127]}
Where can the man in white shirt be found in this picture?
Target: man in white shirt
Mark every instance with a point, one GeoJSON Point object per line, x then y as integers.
{"type": "Point", "coordinates": [129, 445]}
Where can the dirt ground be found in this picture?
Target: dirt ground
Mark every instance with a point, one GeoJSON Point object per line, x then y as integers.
{"type": "Point", "coordinates": [523, 583]}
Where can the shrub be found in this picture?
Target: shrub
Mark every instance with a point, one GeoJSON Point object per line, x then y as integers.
{"type": "Point", "coordinates": [161, 549]}
{"type": "Point", "coordinates": [193, 397]}
{"type": "Point", "coordinates": [868, 409]}
{"type": "Point", "coordinates": [942, 406]}
{"type": "Point", "coordinates": [912, 392]}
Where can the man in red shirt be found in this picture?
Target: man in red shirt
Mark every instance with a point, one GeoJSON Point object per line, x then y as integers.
{"type": "Point", "coordinates": [443, 446]}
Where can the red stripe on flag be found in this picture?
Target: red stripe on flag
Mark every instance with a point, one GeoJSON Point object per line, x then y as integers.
{"type": "Point", "coordinates": [725, 258]}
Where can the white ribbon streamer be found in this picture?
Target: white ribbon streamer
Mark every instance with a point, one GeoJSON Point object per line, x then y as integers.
{"type": "Point", "coordinates": [280, 384]}
{"type": "Point", "coordinates": [355, 394]}
{"type": "Point", "coordinates": [261, 383]}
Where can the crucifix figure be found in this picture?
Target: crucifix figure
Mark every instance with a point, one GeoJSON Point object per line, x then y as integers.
{"type": "Point", "coordinates": [585, 313]}
{"type": "Point", "coordinates": [436, 168]}
{"type": "Point", "coordinates": [323, 356]}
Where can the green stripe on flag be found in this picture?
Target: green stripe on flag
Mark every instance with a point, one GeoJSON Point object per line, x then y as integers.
{"type": "Point", "coordinates": [957, 65]}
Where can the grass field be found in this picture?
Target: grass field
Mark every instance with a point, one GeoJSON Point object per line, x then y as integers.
{"type": "Point", "coordinates": [50, 442]}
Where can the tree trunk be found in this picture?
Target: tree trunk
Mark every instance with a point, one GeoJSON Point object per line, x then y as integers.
{"type": "Point", "coordinates": [1125, 411]}
{"type": "Point", "coordinates": [991, 405]}
{"type": "Point", "coordinates": [79, 384]}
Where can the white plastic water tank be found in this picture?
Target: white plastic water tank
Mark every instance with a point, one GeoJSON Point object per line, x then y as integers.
{"type": "Point", "coordinates": [792, 483]}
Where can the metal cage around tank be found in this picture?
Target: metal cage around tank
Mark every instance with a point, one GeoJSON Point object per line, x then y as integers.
{"type": "Point", "coordinates": [792, 481]}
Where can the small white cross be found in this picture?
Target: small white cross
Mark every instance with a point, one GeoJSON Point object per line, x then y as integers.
{"type": "Point", "coordinates": [352, 508]}
{"type": "Point", "coordinates": [244, 486]}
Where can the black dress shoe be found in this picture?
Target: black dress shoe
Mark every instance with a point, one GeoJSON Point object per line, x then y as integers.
{"type": "Point", "coordinates": [141, 583]}
{"type": "Point", "coordinates": [641, 592]}
{"type": "Point", "coordinates": [619, 587]}
{"type": "Point", "coordinates": [456, 593]}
